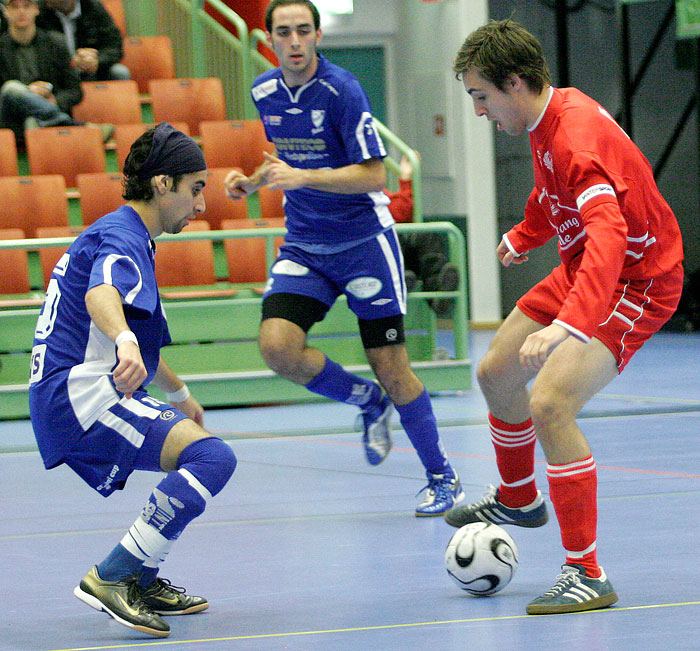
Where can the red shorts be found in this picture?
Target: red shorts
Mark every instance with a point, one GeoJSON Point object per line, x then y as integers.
{"type": "Point", "coordinates": [638, 308]}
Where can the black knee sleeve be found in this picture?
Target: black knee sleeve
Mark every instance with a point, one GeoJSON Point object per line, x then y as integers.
{"type": "Point", "coordinates": [302, 310]}
{"type": "Point", "coordinates": [387, 331]}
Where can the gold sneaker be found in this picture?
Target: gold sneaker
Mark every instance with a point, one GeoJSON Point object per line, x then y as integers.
{"type": "Point", "coordinates": [164, 598]}
{"type": "Point", "coordinates": [121, 600]}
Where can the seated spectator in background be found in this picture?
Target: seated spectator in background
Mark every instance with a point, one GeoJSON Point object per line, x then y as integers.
{"type": "Point", "coordinates": [38, 86]}
{"type": "Point", "coordinates": [37, 82]}
{"type": "Point", "coordinates": [425, 254]}
{"type": "Point", "coordinates": [93, 39]}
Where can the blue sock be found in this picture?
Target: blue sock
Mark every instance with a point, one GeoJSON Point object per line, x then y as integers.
{"type": "Point", "coordinates": [418, 420]}
{"type": "Point", "coordinates": [119, 564]}
{"type": "Point", "coordinates": [204, 467]}
{"type": "Point", "coordinates": [336, 383]}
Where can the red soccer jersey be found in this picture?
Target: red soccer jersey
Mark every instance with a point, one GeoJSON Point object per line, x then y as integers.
{"type": "Point", "coordinates": [595, 190]}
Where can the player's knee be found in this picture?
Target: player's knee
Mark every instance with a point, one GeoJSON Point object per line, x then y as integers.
{"type": "Point", "coordinates": [548, 409]}
{"type": "Point", "coordinates": [211, 461]}
{"type": "Point", "coordinates": [279, 355]}
{"type": "Point", "coordinates": [489, 373]}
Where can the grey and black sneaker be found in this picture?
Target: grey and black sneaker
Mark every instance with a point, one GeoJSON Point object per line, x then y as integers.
{"type": "Point", "coordinates": [122, 601]}
{"type": "Point", "coordinates": [376, 428]}
{"type": "Point", "coordinates": [489, 509]}
{"type": "Point", "coordinates": [574, 592]}
{"type": "Point", "coordinates": [164, 598]}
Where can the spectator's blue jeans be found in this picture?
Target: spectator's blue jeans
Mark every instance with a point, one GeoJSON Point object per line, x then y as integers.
{"type": "Point", "coordinates": [18, 102]}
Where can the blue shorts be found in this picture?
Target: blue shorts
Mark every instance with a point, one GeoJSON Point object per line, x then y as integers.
{"type": "Point", "coordinates": [128, 436]}
{"type": "Point", "coordinates": [369, 274]}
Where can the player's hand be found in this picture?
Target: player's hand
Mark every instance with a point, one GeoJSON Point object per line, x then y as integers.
{"type": "Point", "coordinates": [506, 257]}
{"type": "Point", "coordinates": [538, 345]}
{"type": "Point", "coordinates": [193, 409]}
{"type": "Point", "coordinates": [280, 176]}
{"type": "Point", "coordinates": [237, 185]}
{"type": "Point", "coordinates": [130, 372]}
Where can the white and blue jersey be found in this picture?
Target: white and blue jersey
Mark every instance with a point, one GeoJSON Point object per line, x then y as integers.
{"type": "Point", "coordinates": [326, 123]}
{"type": "Point", "coordinates": [71, 385]}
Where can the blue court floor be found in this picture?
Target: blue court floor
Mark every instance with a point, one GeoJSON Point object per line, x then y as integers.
{"type": "Point", "coordinates": [309, 548]}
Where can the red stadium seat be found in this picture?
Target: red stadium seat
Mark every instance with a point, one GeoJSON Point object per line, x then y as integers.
{"type": "Point", "coordinates": [114, 102]}
{"type": "Point", "coordinates": [100, 193]}
{"type": "Point", "coordinates": [68, 151]}
{"type": "Point", "coordinates": [30, 202]}
{"type": "Point", "coordinates": [219, 207]}
{"type": "Point", "coordinates": [187, 100]}
{"type": "Point", "coordinates": [149, 57]}
{"type": "Point", "coordinates": [247, 260]}
{"type": "Point", "coordinates": [234, 143]}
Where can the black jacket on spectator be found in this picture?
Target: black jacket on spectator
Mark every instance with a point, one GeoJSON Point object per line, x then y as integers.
{"type": "Point", "coordinates": [95, 28]}
{"type": "Point", "coordinates": [53, 61]}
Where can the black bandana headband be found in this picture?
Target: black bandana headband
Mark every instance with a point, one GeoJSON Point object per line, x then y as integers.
{"type": "Point", "coordinates": [172, 153]}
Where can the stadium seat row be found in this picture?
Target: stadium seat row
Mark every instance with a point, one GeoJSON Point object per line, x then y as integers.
{"type": "Point", "coordinates": [32, 202]}
{"type": "Point", "coordinates": [178, 264]}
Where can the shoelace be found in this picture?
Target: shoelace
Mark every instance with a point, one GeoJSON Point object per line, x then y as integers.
{"type": "Point", "coordinates": [164, 585]}
{"type": "Point", "coordinates": [134, 595]}
{"type": "Point", "coordinates": [441, 487]}
{"type": "Point", "coordinates": [488, 498]}
{"type": "Point", "coordinates": [564, 581]}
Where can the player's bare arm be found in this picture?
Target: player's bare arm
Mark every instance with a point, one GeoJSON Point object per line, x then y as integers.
{"type": "Point", "coordinates": [369, 176]}
{"type": "Point", "coordinates": [166, 379]}
{"type": "Point", "coordinates": [104, 305]}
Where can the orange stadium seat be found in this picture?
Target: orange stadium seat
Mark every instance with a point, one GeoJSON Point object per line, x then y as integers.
{"type": "Point", "coordinates": [188, 100]}
{"type": "Point", "coordinates": [30, 202]}
{"type": "Point", "coordinates": [14, 269]}
{"type": "Point", "coordinates": [185, 263]}
{"type": "Point", "coordinates": [100, 193]}
{"type": "Point", "coordinates": [116, 10]}
{"type": "Point", "coordinates": [68, 151]}
{"type": "Point", "coordinates": [49, 256]}
{"type": "Point", "coordinates": [126, 134]}
{"type": "Point", "coordinates": [247, 261]}
{"type": "Point", "coordinates": [149, 57]}
{"type": "Point", "coordinates": [8, 153]}
{"type": "Point", "coordinates": [115, 102]}
{"type": "Point", "coordinates": [271, 203]}
{"type": "Point", "coordinates": [219, 206]}
{"type": "Point", "coordinates": [237, 143]}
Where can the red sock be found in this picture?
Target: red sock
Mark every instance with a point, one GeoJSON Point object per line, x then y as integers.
{"type": "Point", "coordinates": [515, 457]}
{"type": "Point", "coordinates": [573, 491]}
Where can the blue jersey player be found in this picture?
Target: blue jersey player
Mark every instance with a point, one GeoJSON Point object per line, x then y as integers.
{"type": "Point", "coordinates": [340, 240]}
{"type": "Point", "coordinates": [96, 347]}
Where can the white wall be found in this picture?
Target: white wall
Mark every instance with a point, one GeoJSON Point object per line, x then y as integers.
{"type": "Point", "coordinates": [421, 40]}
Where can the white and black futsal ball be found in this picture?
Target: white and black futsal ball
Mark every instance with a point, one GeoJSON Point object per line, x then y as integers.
{"type": "Point", "coordinates": [481, 558]}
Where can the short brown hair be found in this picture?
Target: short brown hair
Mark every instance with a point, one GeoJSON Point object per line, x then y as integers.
{"type": "Point", "coordinates": [283, 3]}
{"type": "Point", "coordinates": [502, 48]}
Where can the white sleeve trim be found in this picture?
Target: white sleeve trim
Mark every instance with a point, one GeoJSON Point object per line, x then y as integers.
{"type": "Point", "coordinates": [506, 241]}
{"type": "Point", "coordinates": [573, 331]}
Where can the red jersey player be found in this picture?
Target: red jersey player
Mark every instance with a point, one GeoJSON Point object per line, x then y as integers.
{"type": "Point", "coordinates": [619, 281]}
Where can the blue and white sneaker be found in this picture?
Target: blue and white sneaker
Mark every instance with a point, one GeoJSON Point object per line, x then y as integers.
{"type": "Point", "coordinates": [489, 509]}
{"type": "Point", "coordinates": [574, 592]}
{"type": "Point", "coordinates": [442, 493]}
{"type": "Point", "coordinates": [375, 423]}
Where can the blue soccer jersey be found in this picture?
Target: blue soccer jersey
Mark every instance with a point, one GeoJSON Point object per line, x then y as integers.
{"type": "Point", "coordinates": [326, 123]}
{"type": "Point", "coordinates": [71, 384]}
